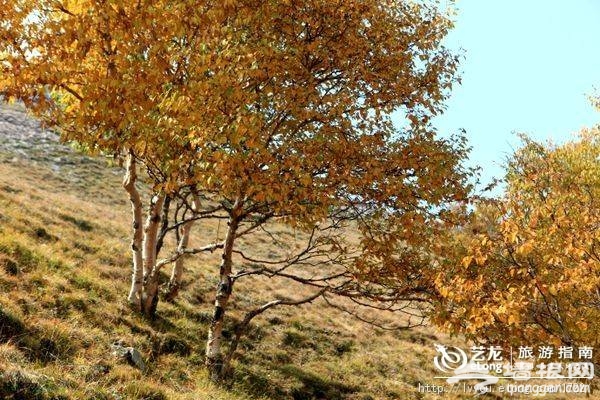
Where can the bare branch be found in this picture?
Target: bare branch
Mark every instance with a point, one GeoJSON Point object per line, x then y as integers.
{"type": "Point", "coordinates": [242, 327]}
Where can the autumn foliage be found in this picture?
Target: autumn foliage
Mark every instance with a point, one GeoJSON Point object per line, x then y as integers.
{"type": "Point", "coordinates": [529, 272]}
{"type": "Point", "coordinates": [266, 114]}
{"type": "Point", "coordinates": [263, 113]}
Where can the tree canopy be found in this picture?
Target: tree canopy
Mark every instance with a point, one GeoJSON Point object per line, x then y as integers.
{"type": "Point", "coordinates": [273, 112]}
{"type": "Point", "coordinates": [530, 267]}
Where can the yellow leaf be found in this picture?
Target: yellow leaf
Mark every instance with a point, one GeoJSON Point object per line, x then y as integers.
{"type": "Point", "coordinates": [466, 261]}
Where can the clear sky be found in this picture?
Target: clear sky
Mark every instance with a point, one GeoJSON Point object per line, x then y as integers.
{"type": "Point", "coordinates": [529, 66]}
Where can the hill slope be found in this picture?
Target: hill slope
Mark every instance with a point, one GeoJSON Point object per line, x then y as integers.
{"type": "Point", "coordinates": [64, 275]}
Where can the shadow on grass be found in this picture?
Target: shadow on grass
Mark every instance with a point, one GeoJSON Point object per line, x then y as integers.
{"type": "Point", "coordinates": [161, 324]}
{"type": "Point", "coordinates": [315, 386]}
{"type": "Point", "coordinates": [256, 384]}
{"type": "Point", "coordinates": [302, 385]}
{"type": "Point", "coordinates": [43, 343]}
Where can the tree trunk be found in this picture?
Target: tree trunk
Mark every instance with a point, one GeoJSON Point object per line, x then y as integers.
{"type": "Point", "coordinates": [177, 272]}
{"type": "Point", "coordinates": [164, 224]}
{"type": "Point", "coordinates": [214, 353]}
{"type": "Point", "coordinates": [135, 293]}
{"type": "Point", "coordinates": [150, 286]}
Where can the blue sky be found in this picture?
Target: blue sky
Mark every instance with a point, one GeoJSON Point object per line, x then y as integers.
{"type": "Point", "coordinates": [529, 66]}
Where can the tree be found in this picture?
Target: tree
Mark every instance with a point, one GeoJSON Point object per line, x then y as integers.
{"type": "Point", "coordinates": [274, 113]}
{"type": "Point", "coordinates": [530, 272]}
{"type": "Point", "coordinates": [308, 140]}
{"type": "Point", "coordinates": [101, 73]}
{"type": "Point", "coordinates": [388, 263]}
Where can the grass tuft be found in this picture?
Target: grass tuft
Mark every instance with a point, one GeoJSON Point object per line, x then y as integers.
{"type": "Point", "coordinates": [17, 384]}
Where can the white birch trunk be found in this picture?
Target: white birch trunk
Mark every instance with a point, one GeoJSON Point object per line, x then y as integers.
{"type": "Point", "coordinates": [177, 271]}
{"type": "Point", "coordinates": [214, 352]}
{"type": "Point", "coordinates": [135, 293]}
{"type": "Point", "coordinates": [150, 285]}
{"type": "Point", "coordinates": [178, 266]}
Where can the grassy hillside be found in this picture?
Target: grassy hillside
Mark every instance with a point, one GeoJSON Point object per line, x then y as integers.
{"type": "Point", "coordinates": [64, 275]}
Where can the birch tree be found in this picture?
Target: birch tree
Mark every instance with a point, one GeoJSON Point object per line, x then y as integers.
{"type": "Point", "coordinates": [101, 73]}
{"type": "Point", "coordinates": [305, 138]}
{"type": "Point", "coordinates": [530, 260]}
{"type": "Point", "coordinates": [366, 249]}
{"type": "Point", "coordinates": [279, 113]}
